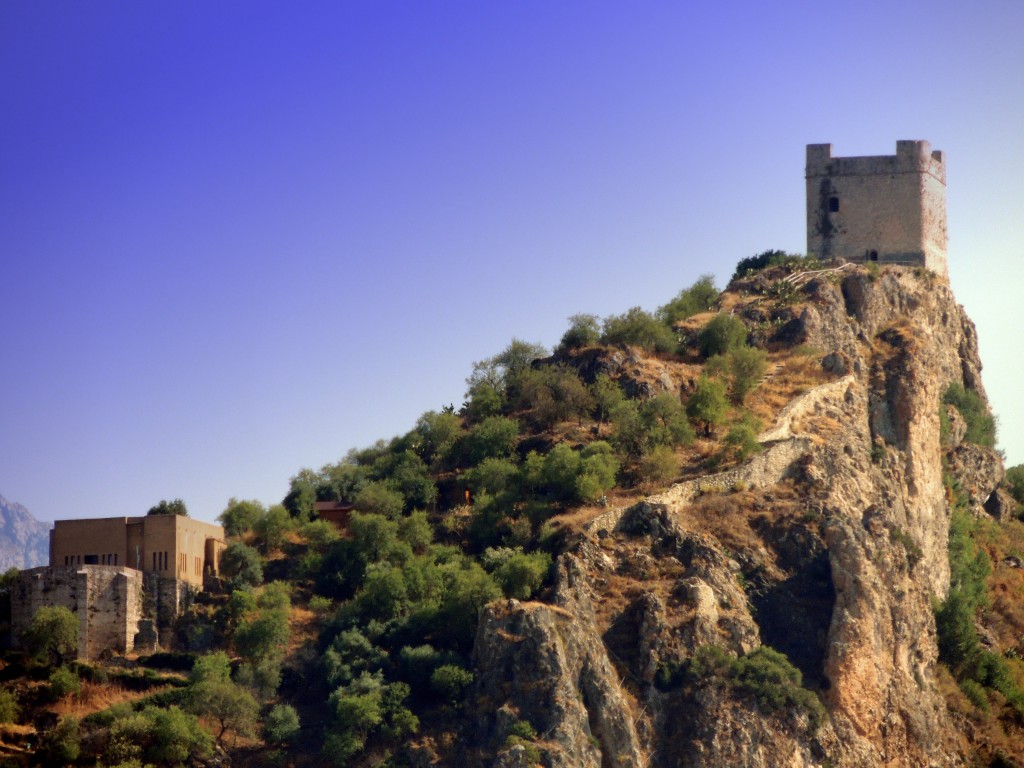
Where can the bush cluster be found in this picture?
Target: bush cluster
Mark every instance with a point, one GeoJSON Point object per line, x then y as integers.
{"type": "Point", "coordinates": [764, 673]}
{"type": "Point", "coordinates": [981, 424]}
{"type": "Point", "coordinates": [960, 647]}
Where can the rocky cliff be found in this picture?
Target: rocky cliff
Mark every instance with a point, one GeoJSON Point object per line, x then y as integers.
{"type": "Point", "coordinates": [24, 541]}
{"type": "Point", "coordinates": [779, 613]}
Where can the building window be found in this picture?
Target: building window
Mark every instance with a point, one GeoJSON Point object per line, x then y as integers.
{"type": "Point", "coordinates": [873, 256]}
{"type": "Point", "coordinates": [92, 559]}
{"type": "Point", "coordinates": [833, 205]}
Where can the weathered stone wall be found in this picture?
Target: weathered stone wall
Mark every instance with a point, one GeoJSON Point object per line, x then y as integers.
{"type": "Point", "coordinates": [890, 208]}
{"type": "Point", "coordinates": [166, 600]}
{"type": "Point", "coordinates": [107, 600]}
{"type": "Point", "coordinates": [765, 469]}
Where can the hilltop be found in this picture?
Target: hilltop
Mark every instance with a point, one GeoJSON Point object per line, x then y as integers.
{"type": "Point", "coordinates": [763, 526]}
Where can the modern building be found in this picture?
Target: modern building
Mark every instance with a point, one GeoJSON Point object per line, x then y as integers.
{"type": "Point", "coordinates": [171, 545]}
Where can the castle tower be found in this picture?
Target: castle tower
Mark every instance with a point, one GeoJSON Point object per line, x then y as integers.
{"type": "Point", "coordinates": [889, 209]}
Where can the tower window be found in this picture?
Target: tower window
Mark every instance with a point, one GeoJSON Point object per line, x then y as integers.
{"type": "Point", "coordinates": [833, 205]}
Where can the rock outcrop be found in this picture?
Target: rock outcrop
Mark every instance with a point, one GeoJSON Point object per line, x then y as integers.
{"type": "Point", "coordinates": [832, 555]}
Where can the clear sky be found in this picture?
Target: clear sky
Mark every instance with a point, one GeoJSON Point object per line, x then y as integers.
{"type": "Point", "coordinates": [240, 238]}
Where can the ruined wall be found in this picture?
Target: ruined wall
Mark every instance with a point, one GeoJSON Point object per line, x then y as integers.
{"type": "Point", "coordinates": [889, 208]}
{"type": "Point", "coordinates": [108, 601]}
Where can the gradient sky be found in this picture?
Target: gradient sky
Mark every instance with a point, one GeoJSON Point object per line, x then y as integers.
{"type": "Point", "coordinates": [240, 238]}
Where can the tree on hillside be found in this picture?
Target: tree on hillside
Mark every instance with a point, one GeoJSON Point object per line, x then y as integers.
{"type": "Point", "coordinates": [722, 334]}
{"type": "Point", "coordinates": [212, 693]}
{"type": "Point", "coordinates": [760, 261]}
{"type": "Point", "coordinates": [707, 405]}
{"type": "Point", "coordinates": [302, 494]}
{"type": "Point", "coordinates": [584, 331]}
{"type": "Point", "coordinates": [52, 635]}
{"type": "Point", "coordinates": [699, 297]}
{"type": "Point", "coordinates": [552, 394]}
{"type": "Point", "coordinates": [272, 527]}
{"type": "Point", "coordinates": [173, 507]}
{"type": "Point", "coordinates": [434, 436]}
{"type": "Point", "coordinates": [241, 565]}
{"type": "Point", "coordinates": [638, 328]}
{"type": "Point", "coordinates": [607, 395]}
{"type": "Point", "coordinates": [665, 420]}
{"type": "Point", "coordinates": [240, 516]}
{"type": "Point", "coordinates": [746, 367]}
{"type": "Point", "coordinates": [502, 372]}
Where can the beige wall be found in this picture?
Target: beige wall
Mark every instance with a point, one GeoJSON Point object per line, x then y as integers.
{"type": "Point", "coordinates": [171, 545]}
{"type": "Point", "coordinates": [891, 208]}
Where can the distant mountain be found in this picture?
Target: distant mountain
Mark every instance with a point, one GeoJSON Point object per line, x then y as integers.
{"type": "Point", "coordinates": [24, 541]}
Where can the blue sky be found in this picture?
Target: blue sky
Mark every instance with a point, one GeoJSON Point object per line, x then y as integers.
{"type": "Point", "coordinates": [238, 239]}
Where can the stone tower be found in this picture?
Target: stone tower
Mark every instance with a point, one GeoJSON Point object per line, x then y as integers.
{"type": "Point", "coordinates": [890, 209]}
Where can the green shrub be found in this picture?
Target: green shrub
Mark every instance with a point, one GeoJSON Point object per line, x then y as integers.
{"type": "Point", "coordinates": [707, 405]}
{"type": "Point", "coordinates": [523, 729]}
{"type": "Point", "coordinates": [379, 498]}
{"type": "Point", "coordinates": [722, 334]}
{"type": "Point", "coordinates": [742, 437]}
{"type": "Point", "coordinates": [584, 331]}
{"type": "Point", "coordinates": [281, 724]}
{"type": "Point", "coordinates": [981, 425]}
{"type": "Point", "coordinates": [659, 465]}
{"type": "Point", "coordinates": [62, 744]}
{"type": "Point", "coordinates": [597, 472]}
{"type": "Point", "coordinates": [764, 673]}
{"type": "Point", "coordinates": [699, 297]}
{"type": "Point", "coordinates": [52, 635]}
{"type": "Point", "coordinates": [638, 328]}
{"type": "Point", "coordinates": [746, 367]}
{"type": "Point", "coordinates": [240, 516]}
{"type": "Point", "coordinates": [241, 565]}
{"type": "Point", "coordinates": [522, 574]}
{"type": "Point", "coordinates": [1015, 483]}
{"type": "Point", "coordinates": [449, 682]}
{"type": "Point", "coordinates": [760, 261]}
{"type": "Point", "coordinates": [64, 682]}
{"type": "Point", "coordinates": [177, 737]}
{"type": "Point", "coordinates": [975, 693]}
{"type": "Point", "coordinates": [664, 418]}
{"type": "Point", "coordinates": [262, 636]}
{"type": "Point", "coordinates": [494, 436]}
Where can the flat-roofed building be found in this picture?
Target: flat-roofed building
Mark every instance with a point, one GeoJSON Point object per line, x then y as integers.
{"type": "Point", "coordinates": [173, 546]}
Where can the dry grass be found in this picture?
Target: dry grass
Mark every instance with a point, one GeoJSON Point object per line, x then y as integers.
{"type": "Point", "coordinates": [95, 697]}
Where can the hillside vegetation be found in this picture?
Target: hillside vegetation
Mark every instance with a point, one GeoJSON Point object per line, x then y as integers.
{"type": "Point", "coordinates": [363, 645]}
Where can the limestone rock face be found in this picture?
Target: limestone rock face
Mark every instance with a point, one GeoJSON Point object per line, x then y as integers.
{"type": "Point", "coordinates": [833, 558]}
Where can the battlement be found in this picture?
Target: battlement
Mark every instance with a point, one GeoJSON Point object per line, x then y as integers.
{"type": "Point", "coordinates": [911, 157]}
{"type": "Point", "coordinates": [885, 208]}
